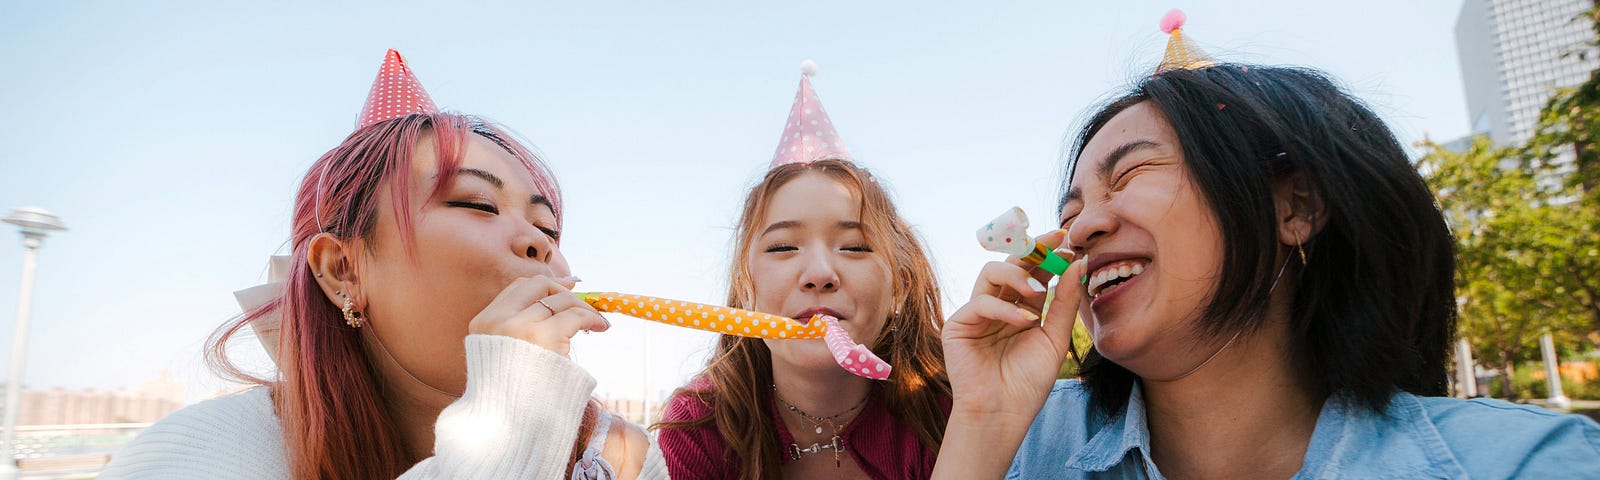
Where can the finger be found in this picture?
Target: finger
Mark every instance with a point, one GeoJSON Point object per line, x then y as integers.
{"type": "Point", "coordinates": [553, 305]}
{"type": "Point", "coordinates": [996, 277]}
{"type": "Point", "coordinates": [525, 291]}
{"type": "Point", "coordinates": [564, 325]}
{"type": "Point", "coordinates": [1063, 311]}
{"type": "Point", "coordinates": [568, 282]}
{"type": "Point", "coordinates": [990, 309]}
{"type": "Point", "coordinates": [1053, 239]}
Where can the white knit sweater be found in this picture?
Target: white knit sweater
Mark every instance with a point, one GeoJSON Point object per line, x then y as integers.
{"type": "Point", "coordinates": [518, 419]}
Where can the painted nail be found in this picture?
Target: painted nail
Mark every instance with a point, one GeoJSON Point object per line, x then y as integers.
{"type": "Point", "coordinates": [1032, 317]}
{"type": "Point", "coordinates": [1035, 285]}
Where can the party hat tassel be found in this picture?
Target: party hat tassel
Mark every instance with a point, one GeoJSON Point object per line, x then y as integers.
{"type": "Point", "coordinates": [851, 356]}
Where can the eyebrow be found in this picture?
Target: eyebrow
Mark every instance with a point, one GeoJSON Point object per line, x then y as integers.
{"type": "Point", "coordinates": [498, 184]}
{"type": "Point", "coordinates": [486, 176]}
{"type": "Point", "coordinates": [1110, 165]}
{"type": "Point", "coordinates": [844, 225]}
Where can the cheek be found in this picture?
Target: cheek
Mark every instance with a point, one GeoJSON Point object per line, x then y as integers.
{"type": "Point", "coordinates": [1189, 244]}
{"type": "Point", "coordinates": [767, 278]}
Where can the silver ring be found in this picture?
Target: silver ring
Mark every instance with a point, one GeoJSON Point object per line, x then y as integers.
{"type": "Point", "coordinates": [547, 307]}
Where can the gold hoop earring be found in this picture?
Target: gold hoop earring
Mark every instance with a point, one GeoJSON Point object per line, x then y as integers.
{"type": "Point", "coordinates": [351, 317]}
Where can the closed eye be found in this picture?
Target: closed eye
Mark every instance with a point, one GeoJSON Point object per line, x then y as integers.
{"type": "Point", "coordinates": [1121, 181]}
{"type": "Point", "coordinates": [857, 248]}
{"type": "Point", "coordinates": [779, 247]}
{"type": "Point", "coordinates": [554, 234]}
{"type": "Point", "coordinates": [491, 209]}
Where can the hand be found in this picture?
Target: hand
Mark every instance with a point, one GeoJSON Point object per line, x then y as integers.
{"type": "Point", "coordinates": [1002, 360]}
{"type": "Point", "coordinates": [539, 310]}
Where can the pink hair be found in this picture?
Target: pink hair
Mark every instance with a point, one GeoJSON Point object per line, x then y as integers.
{"type": "Point", "coordinates": [328, 395]}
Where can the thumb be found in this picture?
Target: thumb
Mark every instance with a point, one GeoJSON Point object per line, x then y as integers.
{"type": "Point", "coordinates": [1063, 311]}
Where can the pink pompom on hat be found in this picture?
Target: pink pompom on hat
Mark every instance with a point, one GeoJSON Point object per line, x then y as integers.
{"type": "Point", "coordinates": [395, 93]}
{"type": "Point", "coordinates": [808, 135]}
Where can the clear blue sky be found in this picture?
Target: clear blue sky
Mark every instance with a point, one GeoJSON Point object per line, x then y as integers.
{"type": "Point", "coordinates": [170, 136]}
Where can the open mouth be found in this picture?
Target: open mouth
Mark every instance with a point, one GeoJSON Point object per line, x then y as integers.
{"type": "Point", "coordinates": [806, 315]}
{"type": "Point", "coordinates": [1114, 275]}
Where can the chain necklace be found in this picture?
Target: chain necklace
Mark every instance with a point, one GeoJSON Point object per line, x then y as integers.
{"type": "Point", "coordinates": [836, 444]}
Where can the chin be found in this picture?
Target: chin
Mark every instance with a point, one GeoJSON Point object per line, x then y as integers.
{"type": "Point", "coordinates": [807, 355]}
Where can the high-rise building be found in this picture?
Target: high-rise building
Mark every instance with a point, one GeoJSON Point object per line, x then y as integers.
{"type": "Point", "coordinates": [1511, 54]}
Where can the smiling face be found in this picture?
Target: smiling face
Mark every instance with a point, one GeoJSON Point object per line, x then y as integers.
{"type": "Point", "coordinates": [1152, 243]}
{"type": "Point", "coordinates": [488, 227]}
{"type": "Point", "coordinates": [809, 254]}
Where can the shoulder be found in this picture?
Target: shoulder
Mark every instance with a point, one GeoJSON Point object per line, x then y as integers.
{"type": "Point", "coordinates": [1065, 414]}
{"type": "Point", "coordinates": [692, 452]}
{"type": "Point", "coordinates": [1488, 435]}
{"type": "Point", "coordinates": [687, 404]}
{"type": "Point", "coordinates": [236, 436]}
{"type": "Point", "coordinates": [1059, 430]}
{"type": "Point", "coordinates": [625, 447]}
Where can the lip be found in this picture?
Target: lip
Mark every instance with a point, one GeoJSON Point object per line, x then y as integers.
{"type": "Point", "coordinates": [1105, 298]}
{"type": "Point", "coordinates": [806, 315]}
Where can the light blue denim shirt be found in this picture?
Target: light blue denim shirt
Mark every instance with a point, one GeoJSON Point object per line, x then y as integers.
{"type": "Point", "coordinates": [1416, 437]}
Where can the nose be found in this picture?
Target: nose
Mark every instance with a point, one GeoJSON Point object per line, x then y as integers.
{"type": "Point", "coordinates": [1092, 224]}
{"type": "Point", "coordinates": [819, 275]}
{"type": "Point", "coordinates": [533, 244]}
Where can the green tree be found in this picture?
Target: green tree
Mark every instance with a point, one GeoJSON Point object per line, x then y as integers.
{"type": "Point", "coordinates": [1564, 150]}
{"type": "Point", "coordinates": [1509, 276]}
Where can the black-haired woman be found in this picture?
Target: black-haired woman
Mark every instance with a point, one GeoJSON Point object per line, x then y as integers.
{"type": "Point", "coordinates": [1268, 284]}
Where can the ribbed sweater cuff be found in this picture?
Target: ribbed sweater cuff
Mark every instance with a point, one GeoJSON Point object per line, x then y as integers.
{"type": "Point", "coordinates": [519, 416]}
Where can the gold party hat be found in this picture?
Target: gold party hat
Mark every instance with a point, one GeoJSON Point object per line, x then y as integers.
{"type": "Point", "coordinates": [1181, 53]}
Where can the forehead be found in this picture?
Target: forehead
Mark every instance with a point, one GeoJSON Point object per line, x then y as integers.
{"type": "Point", "coordinates": [1141, 121]}
{"type": "Point", "coordinates": [480, 154]}
{"type": "Point", "coordinates": [813, 196]}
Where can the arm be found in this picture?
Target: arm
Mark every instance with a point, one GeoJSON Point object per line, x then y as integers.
{"type": "Point", "coordinates": [518, 419]}
{"type": "Point", "coordinates": [524, 399]}
{"type": "Point", "coordinates": [1003, 362]}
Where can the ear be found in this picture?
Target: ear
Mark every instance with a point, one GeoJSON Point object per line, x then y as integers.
{"type": "Point", "coordinates": [332, 265]}
{"type": "Point", "coordinates": [1300, 211]}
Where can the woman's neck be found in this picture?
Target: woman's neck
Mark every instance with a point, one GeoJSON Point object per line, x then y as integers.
{"type": "Point", "coordinates": [819, 394]}
{"type": "Point", "coordinates": [1248, 413]}
{"type": "Point", "coordinates": [413, 407]}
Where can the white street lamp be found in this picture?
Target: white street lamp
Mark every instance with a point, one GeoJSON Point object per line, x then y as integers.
{"type": "Point", "coordinates": [35, 224]}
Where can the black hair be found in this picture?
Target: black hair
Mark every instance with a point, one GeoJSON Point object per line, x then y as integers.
{"type": "Point", "coordinates": [1375, 307]}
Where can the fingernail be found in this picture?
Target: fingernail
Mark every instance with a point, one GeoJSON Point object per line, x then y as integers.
{"type": "Point", "coordinates": [1035, 285]}
{"type": "Point", "coordinates": [1028, 315]}
{"type": "Point", "coordinates": [574, 279]}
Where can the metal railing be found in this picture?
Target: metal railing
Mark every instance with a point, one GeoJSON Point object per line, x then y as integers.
{"type": "Point", "coordinates": [46, 451]}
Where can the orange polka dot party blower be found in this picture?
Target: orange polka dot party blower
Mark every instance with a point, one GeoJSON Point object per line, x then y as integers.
{"type": "Point", "coordinates": [853, 357]}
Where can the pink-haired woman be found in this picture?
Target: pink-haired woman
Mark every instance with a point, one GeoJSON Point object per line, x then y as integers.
{"type": "Point", "coordinates": [425, 326]}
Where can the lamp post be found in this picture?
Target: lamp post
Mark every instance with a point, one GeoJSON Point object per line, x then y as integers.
{"type": "Point", "coordinates": [35, 223]}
